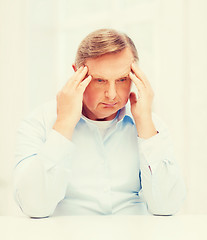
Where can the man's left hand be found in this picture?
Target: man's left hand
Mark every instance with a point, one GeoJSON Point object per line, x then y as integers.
{"type": "Point", "coordinates": [141, 107]}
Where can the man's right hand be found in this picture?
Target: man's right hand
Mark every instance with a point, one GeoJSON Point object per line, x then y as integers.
{"type": "Point", "coordinates": [69, 102]}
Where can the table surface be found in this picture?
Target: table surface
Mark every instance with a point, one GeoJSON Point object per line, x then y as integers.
{"type": "Point", "coordinates": [105, 228]}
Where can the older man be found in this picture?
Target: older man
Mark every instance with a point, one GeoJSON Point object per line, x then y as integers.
{"type": "Point", "coordinates": [89, 152]}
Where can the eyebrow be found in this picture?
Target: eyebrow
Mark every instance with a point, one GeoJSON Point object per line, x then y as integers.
{"type": "Point", "coordinates": [94, 77]}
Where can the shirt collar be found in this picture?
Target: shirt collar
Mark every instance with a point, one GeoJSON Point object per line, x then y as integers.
{"type": "Point", "coordinates": [125, 114]}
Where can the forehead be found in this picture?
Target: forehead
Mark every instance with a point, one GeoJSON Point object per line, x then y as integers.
{"type": "Point", "coordinates": [111, 66]}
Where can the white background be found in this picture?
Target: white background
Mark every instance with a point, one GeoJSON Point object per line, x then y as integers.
{"type": "Point", "coordinates": [38, 42]}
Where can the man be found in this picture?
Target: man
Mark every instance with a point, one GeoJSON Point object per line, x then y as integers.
{"type": "Point", "coordinates": [89, 152]}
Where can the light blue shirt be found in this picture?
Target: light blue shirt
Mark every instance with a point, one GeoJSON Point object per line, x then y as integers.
{"type": "Point", "coordinates": [111, 173]}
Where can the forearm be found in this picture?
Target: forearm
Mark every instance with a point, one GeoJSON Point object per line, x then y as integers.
{"type": "Point", "coordinates": [41, 180]}
{"type": "Point", "coordinates": [65, 128]}
{"type": "Point", "coordinates": [164, 190]}
{"type": "Point", "coordinates": [145, 127]}
{"type": "Point", "coordinates": [36, 192]}
{"type": "Point", "coordinates": [162, 183]}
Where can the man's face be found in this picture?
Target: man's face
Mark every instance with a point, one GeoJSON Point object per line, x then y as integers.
{"type": "Point", "coordinates": [110, 86]}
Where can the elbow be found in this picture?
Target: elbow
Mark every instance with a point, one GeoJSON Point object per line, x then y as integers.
{"type": "Point", "coordinates": [36, 214]}
{"type": "Point", "coordinates": [35, 211]}
{"type": "Point", "coordinates": [163, 211]}
{"type": "Point", "coordinates": [169, 203]}
{"type": "Point", "coordinates": [168, 207]}
{"type": "Point", "coordinates": [34, 208]}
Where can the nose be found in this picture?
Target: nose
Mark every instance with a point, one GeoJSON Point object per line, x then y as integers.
{"type": "Point", "coordinates": [111, 91]}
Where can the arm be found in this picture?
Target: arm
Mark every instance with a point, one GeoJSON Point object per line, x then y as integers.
{"type": "Point", "coordinates": [162, 185]}
{"type": "Point", "coordinates": [40, 176]}
{"type": "Point", "coordinates": [43, 165]}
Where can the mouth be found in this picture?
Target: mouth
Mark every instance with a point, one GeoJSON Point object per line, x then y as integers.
{"type": "Point", "coordinates": [109, 105]}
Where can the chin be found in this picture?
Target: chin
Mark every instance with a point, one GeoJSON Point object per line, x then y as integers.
{"type": "Point", "coordinates": [109, 115]}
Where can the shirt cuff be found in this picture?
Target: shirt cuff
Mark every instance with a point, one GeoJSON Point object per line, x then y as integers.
{"type": "Point", "coordinates": [57, 151]}
{"type": "Point", "coordinates": [155, 150]}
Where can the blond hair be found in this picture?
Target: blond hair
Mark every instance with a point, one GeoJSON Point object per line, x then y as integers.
{"type": "Point", "coordinates": [103, 41]}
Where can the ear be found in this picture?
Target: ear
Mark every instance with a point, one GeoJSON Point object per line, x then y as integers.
{"type": "Point", "coordinates": [74, 67]}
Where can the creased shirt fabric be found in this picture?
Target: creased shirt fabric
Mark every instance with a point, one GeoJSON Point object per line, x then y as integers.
{"type": "Point", "coordinates": [95, 174]}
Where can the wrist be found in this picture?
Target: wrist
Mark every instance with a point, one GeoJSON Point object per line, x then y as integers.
{"type": "Point", "coordinates": [65, 128]}
{"type": "Point", "coordinates": [145, 127]}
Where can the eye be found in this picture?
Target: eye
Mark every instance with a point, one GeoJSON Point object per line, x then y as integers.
{"type": "Point", "coordinates": [122, 80]}
{"type": "Point", "coordinates": [100, 80]}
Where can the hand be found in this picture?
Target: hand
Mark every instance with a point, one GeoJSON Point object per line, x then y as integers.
{"type": "Point", "coordinates": [141, 108]}
{"type": "Point", "coordinates": [69, 102]}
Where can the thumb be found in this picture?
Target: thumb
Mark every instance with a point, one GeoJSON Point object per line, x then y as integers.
{"type": "Point", "coordinates": [133, 98]}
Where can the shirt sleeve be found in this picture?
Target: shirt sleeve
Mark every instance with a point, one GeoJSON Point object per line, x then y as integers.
{"type": "Point", "coordinates": [42, 167]}
{"type": "Point", "coordinates": [163, 187]}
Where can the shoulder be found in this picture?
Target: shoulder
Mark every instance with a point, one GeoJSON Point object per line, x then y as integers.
{"type": "Point", "coordinates": [44, 110]}
{"type": "Point", "coordinates": [42, 117]}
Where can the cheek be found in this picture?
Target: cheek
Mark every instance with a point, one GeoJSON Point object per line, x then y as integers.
{"type": "Point", "coordinates": [124, 93]}
{"type": "Point", "coordinates": [91, 96]}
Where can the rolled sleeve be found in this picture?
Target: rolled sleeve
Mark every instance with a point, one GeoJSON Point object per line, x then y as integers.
{"type": "Point", "coordinates": [57, 151]}
{"type": "Point", "coordinates": [157, 149]}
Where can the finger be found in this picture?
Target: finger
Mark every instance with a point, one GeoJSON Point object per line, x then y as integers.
{"type": "Point", "coordinates": [83, 85]}
{"type": "Point", "coordinates": [133, 98]}
{"type": "Point", "coordinates": [140, 74]}
{"type": "Point", "coordinates": [74, 79]}
{"type": "Point", "coordinates": [138, 83]}
{"type": "Point", "coordinates": [80, 76]}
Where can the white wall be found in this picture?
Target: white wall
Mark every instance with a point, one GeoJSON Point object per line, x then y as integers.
{"type": "Point", "coordinates": [38, 40]}
{"type": "Point", "coordinates": [13, 89]}
{"type": "Point", "coordinates": [196, 112]}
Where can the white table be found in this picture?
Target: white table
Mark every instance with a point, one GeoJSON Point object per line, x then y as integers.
{"type": "Point", "coordinates": [178, 227]}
